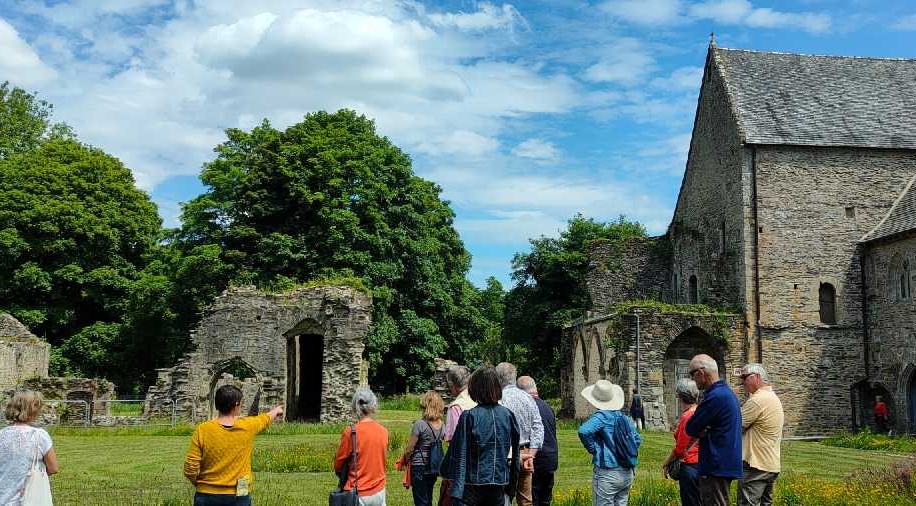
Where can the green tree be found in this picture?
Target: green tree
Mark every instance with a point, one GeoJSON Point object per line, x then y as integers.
{"type": "Point", "coordinates": [550, 292]}
{"type": "Point", "coordinates": [25, 121]}
{"type": "Point", "coordinates": [329, 197]}
{"type": "Point", "coordinates": [74, 231]}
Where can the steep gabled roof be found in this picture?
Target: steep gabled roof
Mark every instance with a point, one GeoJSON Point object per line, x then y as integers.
{"type": "Point", "coordinates": [10, 328]}
{"type": "Point", "coordinates": [900, 218]}
{"type": "Point", "coordinates": [807, 100]}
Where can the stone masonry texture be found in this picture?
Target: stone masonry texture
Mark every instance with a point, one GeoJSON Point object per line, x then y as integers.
{"type": "Point", "coordinates": [249, 333]}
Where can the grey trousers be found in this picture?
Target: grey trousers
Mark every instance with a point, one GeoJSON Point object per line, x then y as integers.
{"type": "Point", "coordinates": [755, 488]}
{"type": "Point", "coordinates": [611, 487]}
{"type": "Point", "coordinates": [714, 490]}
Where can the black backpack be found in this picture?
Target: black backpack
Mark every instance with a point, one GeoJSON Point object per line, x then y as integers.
{"type": "Point", "coordinates": [436, 454]}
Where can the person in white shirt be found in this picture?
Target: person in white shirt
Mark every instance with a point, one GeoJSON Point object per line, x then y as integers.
{"type": "Point", "coordinates": [20, 443]}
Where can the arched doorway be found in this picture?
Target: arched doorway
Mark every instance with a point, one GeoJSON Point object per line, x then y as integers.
{"type": "Point", "coordinates": [911, 403]}
{"type": "Point", "coordinates": [685, 346]}
{"type": "Point", "coordinates": [234, 371]}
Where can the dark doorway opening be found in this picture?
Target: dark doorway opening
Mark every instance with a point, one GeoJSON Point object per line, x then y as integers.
{"type": "Point", "coordinates": [304, 365]}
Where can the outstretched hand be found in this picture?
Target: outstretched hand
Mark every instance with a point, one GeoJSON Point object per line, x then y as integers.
{"type": "Point", "coordinates": [276, 412]}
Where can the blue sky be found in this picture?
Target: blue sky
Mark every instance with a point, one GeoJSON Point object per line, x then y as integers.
{"type": "Point", "coordinates": [524, 113]}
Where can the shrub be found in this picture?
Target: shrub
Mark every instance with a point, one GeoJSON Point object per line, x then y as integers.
{"type": "Point", "coordinates": [867, 440]}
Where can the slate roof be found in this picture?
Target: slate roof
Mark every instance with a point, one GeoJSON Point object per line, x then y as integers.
{"type": "Point", "coordinates": [807, 100]}
{"type": "Point", "coordinates": [900, 218]}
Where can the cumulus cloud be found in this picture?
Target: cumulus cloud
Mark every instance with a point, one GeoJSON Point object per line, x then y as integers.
{"type": "Point", "coordinates": [625, 61]}
{"type": "Point", "coordinates": [18, 61]}
{"type": "Point", "coordinates": [461, 142]}
{"type": "Point", "coordinates": [488, 17]}
{"type": "Point", "coordinates": [729, 12]}
{"type": "Point", "coordinates": [681, 79]}
{"type": "Point", "coordinates": [538, 149]}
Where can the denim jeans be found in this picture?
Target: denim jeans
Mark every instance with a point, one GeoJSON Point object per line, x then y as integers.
{"type": "Point", "coordinates": [611, 487]}
{"type": "Point", "coordinates": [201, 499]}
{"type": "Point", "coordinates": [688, 482]}
{"type": "Point", "coordinates": [422, 486]}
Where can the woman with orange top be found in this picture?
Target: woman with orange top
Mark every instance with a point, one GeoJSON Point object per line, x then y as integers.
{"type": "Point", "coordinates": [368, 476]}
{"type": "Point", "coordinates": [686, 448]}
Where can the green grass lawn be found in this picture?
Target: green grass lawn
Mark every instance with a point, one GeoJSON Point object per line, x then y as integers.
{"type": "Point", "coordinates": [292, 465]}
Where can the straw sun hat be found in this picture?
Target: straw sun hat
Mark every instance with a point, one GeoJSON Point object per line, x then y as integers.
{"type": "Point", "coordinates": [604, 395]}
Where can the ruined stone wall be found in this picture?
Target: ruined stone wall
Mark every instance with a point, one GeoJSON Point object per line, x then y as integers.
{"type": "Point", "coordinates": [22, 354]}
{"type": "Point", "coordinates": [892, 334]}
{"type": "Point", "coordinates": [814, 204]}
{"type": "Point", "coordinates": [248, 333]}
{"type": "Point", "coordinates": [637, 269]}
{"type": "Point", "coordinates": [606, 348]}
{"type": "Point", "coordinates": [708, 228]}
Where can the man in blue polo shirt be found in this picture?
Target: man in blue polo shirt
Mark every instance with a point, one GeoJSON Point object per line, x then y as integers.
{"type": "Point", "coordinates": [717, 422]}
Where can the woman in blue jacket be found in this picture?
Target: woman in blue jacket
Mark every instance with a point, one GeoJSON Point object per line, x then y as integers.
{"type": "Point", "coordinates": [611, 438]}
{"type": "Point", "coordinates": [478, 454]}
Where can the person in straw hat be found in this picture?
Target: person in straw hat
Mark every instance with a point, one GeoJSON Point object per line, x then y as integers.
{"type": "Point", "coordinates": [611, 476]}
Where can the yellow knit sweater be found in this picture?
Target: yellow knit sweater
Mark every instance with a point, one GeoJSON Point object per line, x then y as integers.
{"type": "Point", "coordinates": [219, 456]}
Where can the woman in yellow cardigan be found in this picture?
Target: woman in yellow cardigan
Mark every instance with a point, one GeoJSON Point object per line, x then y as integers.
{"type": "Point", "coordinates": [219, 459]}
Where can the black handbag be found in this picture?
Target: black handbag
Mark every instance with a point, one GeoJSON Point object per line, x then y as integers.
{"type": "Point", "coordinates": [674, 467]}
{"type": "Point", "coordinates": [341, 497]}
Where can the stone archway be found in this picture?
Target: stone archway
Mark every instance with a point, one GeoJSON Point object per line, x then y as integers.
{"type": "Point", "coordinates": [238, 372]}
{"type": "Point", "coordinates": [688, 343]}
{"type": "Point", "coordinates": [305, 350]}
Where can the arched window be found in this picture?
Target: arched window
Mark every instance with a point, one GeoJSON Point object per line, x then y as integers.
{"type": "Point", "coordinates": [903, 281]}
{"type": "Point", "coordinates": [693, 293]}
{"type": "Point", "coordinates": [898, 283]}
{"type": "Point", "coordinates": [827, 296]}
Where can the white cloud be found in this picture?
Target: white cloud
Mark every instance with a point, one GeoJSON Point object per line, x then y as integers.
{"type": "Point", "coordinates": [626, 61]}
{"type": "Point", "coordinates": [645, 12]}
{"type": "Point", "coordinates": [459, 142]}
{"type": "Point", "coordinates": [743, 12]}
{"type": "Point", "coordinates": [905, 23]}
{"type": "Point", "coordinates": [538, 149]}
{"type": "Point", "coordinates": [18, 61]}
{"type": "Point", "coordinates": [488, 17]}
{"type": "Point", "coordinates": [681, 79]}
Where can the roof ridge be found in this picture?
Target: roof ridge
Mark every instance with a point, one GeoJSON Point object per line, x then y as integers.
{"type": "Point", "coordinates": [879, 58]}
{"type": "Point", "coordinates": [891, 210]}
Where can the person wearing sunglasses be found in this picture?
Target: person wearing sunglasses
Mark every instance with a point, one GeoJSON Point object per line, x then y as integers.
{"type": "Point", "coordinates": [717, 423]}
{"type": "Point", "coordinates": [761, 421]}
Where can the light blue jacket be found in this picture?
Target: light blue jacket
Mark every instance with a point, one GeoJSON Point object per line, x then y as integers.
{"type": "Point", "coordinates": [597, 435]}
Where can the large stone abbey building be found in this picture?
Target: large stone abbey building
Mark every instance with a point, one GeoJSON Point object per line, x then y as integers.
{"type": "Point", "coordinates": [796, 219]}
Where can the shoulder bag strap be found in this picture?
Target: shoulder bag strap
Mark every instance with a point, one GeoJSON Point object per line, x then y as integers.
{"type": "Point", "coordinates": [353, 453]}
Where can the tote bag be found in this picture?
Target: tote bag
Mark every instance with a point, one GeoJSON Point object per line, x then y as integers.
{"type": "Point", "coordinates": [37, 490]}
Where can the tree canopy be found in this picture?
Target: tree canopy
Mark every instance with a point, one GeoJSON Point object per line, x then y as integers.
{"type": "Point", "coordinates": [550, 291]}
{"type": "Point", "coordinates": [74, 230]}
{"type": "Point", "coordinates": [329, 197]}
{"type": "Point", "coordinates": [25, 121]}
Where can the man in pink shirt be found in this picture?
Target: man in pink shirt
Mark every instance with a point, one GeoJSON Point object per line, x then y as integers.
{"type": "Point", "coordinates": [457, 379]}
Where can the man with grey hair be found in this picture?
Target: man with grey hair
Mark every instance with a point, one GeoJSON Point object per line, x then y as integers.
{"type": "Point", "coordinates": [717, 423]}
{"type": "Point", "coordinates": [457, 378]}
{"type": "Point", "coordinates": [545, 462]}
{"type": "Point", "coordinates": [761, 423]}
{"type": "Point", "coordinates": [530, 425]}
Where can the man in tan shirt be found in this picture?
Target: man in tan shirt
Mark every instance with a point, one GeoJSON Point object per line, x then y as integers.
{"type": "Point", "coordinates": [761, 425]}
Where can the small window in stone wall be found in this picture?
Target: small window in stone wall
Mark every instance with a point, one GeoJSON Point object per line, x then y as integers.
{"type": "Point", "coordinates": [693, 296]}
{"type": "Point", "coordinates": [903, 281]}
{"type": "Point", "coordinates": [898, 279]}
{"type": "Point", "coordinates": [827, 296]}
{"type": "Point", "coordinates": [850, 212]}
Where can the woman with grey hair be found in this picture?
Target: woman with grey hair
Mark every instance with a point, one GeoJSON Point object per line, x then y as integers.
{"type": "Point", "coordinates": [368, 475]}
{"type": "Point", "coordinates": [686, 450]}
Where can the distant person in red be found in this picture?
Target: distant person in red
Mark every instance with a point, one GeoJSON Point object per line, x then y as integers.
{"type": "Point", "coordinates": [881, 416]}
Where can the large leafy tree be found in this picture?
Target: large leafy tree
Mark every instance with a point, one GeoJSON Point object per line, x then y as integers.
{"type": "Point", "coordinates": [25, 121]}
{"type": "Point", "coordinates": [74, 232]}
{"type": "Point", "coordinates": [550, 292]}
{"type": "Point", "coordinates": [329, 197]}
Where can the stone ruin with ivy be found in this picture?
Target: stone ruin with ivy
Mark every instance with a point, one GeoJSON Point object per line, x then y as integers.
{"type": "Point", "coordinates": [636, 340]}
{"type": "Point", "coordinates": [302, 348]}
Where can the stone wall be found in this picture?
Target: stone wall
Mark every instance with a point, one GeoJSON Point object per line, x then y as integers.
{"type": "Point", "coordinates": [67, 400]}
{"type": "Point", "coordinates": [636, 269]}
{"type": "Point", "coordinates": [302, 348]}
{"type": "Point", "coordinates": [892, 335]}
{"type": "Point", "coordinates": [606, 348]}
{"type": "Point", "coordinates": [22, 354]}
{"type": "Point", "coordinates": [708, 228]}
{"type": "Point", "coordinates": [814, 204]}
